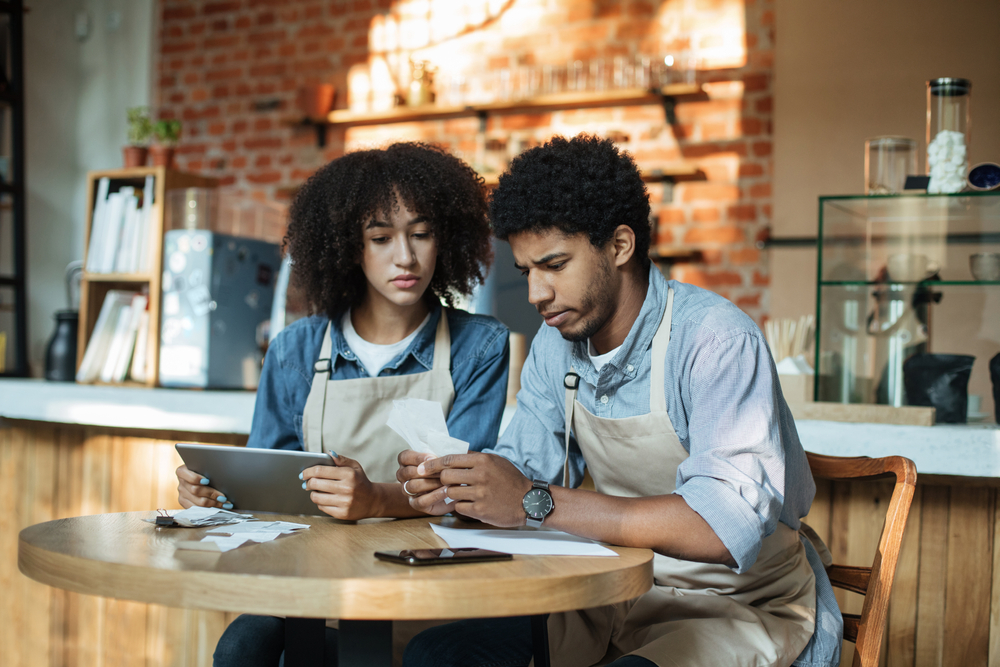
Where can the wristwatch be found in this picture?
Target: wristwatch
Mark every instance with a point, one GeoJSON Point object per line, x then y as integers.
{"type": "Point", "coordinates": [538, 503]}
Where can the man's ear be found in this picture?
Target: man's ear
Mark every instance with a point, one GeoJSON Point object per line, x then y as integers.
{"type": "Point", "coordinates": [624, 244]}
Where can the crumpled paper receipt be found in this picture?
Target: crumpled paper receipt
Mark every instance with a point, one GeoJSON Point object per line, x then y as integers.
{"type": "Point", "coordinates": [421, 423]}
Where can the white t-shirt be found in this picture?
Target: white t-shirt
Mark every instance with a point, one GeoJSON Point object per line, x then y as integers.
{"type": "Point", "coordinates": [372, 356]}
{"type": "Point", "coordinates": [600, 359]}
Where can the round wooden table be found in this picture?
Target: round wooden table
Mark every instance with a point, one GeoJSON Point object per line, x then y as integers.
{"type": "Point", "coordinates": [327, 571]}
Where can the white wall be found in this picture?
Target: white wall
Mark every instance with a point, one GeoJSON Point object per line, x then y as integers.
{"type": "Point", "coordinates": [77, 91]}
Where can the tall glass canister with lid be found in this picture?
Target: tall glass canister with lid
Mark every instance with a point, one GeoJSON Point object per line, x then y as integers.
{"type": "Point", "coordinates": [948, 132]}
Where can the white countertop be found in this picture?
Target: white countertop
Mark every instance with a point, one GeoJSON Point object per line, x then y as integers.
{"type": "Point", "coordinates": [128, 407]}
{"type": "Point", "coordinates": [971, 450]}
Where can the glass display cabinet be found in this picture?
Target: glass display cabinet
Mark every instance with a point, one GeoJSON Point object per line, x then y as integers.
{"type": "Point", "coordinates": [900, 275]}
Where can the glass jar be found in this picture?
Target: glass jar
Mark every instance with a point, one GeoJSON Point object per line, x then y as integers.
{"type": "Point", "coordinates": [948, 125]}
{"type": "Point", "coordinates": [888, 161]}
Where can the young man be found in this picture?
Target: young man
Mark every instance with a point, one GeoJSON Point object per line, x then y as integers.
{"type": "Point", "coordinates": [668, 395]}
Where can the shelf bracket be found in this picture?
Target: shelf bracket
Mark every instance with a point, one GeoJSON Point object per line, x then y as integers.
{"type": "Point", "coordinates": [483, 116]}
{"type": "Point", "coordinates": [669, 108]}
{"type": "Point", "coordinates": [320, 128]}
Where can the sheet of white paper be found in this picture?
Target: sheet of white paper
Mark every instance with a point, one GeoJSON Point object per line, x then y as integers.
{"type": "Point", "coordinates": [526, 542]}
{"type": "Point", "coordinates": [251, 527]}
{"type": "Point", "coordinates": [422, 425]}
{"type": "Point", "coordinates": [208, 516]}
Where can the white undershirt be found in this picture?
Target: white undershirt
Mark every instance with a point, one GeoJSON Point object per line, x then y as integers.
{"type": "Point", "coordinates": [600, 359]}
{"type": "Point", "coordinates": [372, 356]}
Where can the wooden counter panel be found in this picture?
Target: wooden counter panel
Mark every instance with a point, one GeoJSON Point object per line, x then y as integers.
{"type": "Point", "coordinates": [946, 596]}
{"type": "Point", "coordinates": [49, 472]}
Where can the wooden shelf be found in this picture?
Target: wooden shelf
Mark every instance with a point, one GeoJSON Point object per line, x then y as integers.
{"type": "Point", "coordinates": [117, 277]}
{"type": "Point", "coordinates": [674, 172]}
{"type": "Point", "coordinates": [666, 252]}
{"type": "Point", "coordinates": [539, 104]}
{"type": "Point", "coordinates": [94, 286]}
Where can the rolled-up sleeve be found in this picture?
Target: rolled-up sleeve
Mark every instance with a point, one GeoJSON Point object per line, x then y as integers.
{"type": "Point", "coordinates": [735, 474]}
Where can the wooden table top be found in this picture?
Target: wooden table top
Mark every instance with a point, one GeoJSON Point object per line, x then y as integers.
{"type": "Point", "coordinates": [327, 571]}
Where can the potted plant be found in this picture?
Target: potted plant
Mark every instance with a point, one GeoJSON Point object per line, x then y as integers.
{"type": "Point", "coordinates": [166, 133]}
{"type": "Point", "coordinates": [139, 130]}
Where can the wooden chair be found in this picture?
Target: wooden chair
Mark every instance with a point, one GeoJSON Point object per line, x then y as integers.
{"type": "Point", "coordinates": [875, 582]}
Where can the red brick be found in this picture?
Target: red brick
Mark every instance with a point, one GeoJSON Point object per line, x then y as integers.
{"type": "Point", "coordinates": [706, 149]}
{"type": "Point", "coordinates": [741, 256]}
{"type": "Point", "coordinates": [266, 18]}
{"type": "Point", "coordinates": [760, 190]}
{"type": "Point", "coordinates": [264, 37]}
{"type": "Point", "coordinates": [176, 98]}
{"type": "Point", "coordinates": [750, 126]}
{"type": "Point", "coordinates": [217, 129]}
{"type": "Point", "coordinates": [221, 41]}
{"type": "Point", "coordinates": [742, 213]}
{"type": "Point", "coordinates": [664, 236]}
{"type": "Point", "coordinates": [672, 216]}
{"type": "Point", "coordinates": [239, 126]}
{"type": "Point", "coordinates": [722, 235]}
{"type": "Point", "coordinates": [264, 177]}
{"type": "Point", "coordinates": [263, 125]}
{"type": "Point", "coordinates": [239, 162]}
{"type": "Point", "coordinates": [262, 142]}
{"type": "Point", "coordinates": [177, 63]}
{"type": "Point", "coordinates": [762, 148]}
{"type": "Point", "coordinates": [751, 170]}
{"type": "Point", "coordinates": [220, 91]}
{"type": "Point", "coordinates": [243, 22]}
{"type": "Point", "coordinates": [192, 77]}
{"type": "Point", "coordinates": [262, 161]}
{"type": "Point", "coordinates": [199, 94]}
{"type": "Point", "coordinates": [276, 69]}
{"type": "Point", "coordinates": [220, 7]}
{"type": "Point", "coordinates": [168, 81]}
{"type": "Point", "coordinates": [705, 215]}
{"type": "Point", "coordinates": [223, 74]}
{"type": "Point", "coordinates": [177, 13]}
{"type": "Point", "coordinates": [752, 82]}
{"type": "Point", "coordinates": [219, 26]}
{"type": "Point", "coordinates": [715, 131]}
{"type": "Point", "coordinates": [710, 192]}
{"type": "Point", "coordinates": [760, 279]}
{"type": "Point", "coordinates": [179, 47]}
{"type": "Point", "coordinates": [764, 105]}
{"type": "Point", "coordinates": [767, 18]}
{"type": "Point", "coordinates": [745, 302]}
{"type": "Point", "coordinates": [197, 28]}
{"type": "Point", "coordinates": [711, 256]}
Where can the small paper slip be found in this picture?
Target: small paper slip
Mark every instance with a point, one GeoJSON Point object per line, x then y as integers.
{"type": "Point", "coordinates": [253, 528]}
{"type": "Point", "coordinates": [525, 542]}
{"type": "Point", "coordinates": [421, 423]}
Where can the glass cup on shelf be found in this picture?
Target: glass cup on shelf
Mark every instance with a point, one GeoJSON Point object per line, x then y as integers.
{"type": "Point", "coordinates": [888, 161]}
{"type": "Point", "coordinates": [576, 76]}
{"type": "Point", "coordinates": [643, 72]}
{"type": "Point", "coordinates": [597, 79]}
{"type": "Point", "coordinates": [622, 73]}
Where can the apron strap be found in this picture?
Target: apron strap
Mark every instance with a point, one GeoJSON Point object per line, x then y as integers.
{"type": "Point", "coordinates": [317, 394]}
{"type": "Point", "coordinates": [572, 384]}
{"type": "Point", "coordinates": [442, 344]}
{"type": "Point", "coordinates": [658, 358]}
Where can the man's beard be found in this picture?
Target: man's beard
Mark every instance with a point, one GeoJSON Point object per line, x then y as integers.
{"type": "Point", "coordinates": [598, 302]}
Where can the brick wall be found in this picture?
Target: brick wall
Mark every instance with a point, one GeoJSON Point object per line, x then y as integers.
{"type": "Point", "coordinates": [231, 70]}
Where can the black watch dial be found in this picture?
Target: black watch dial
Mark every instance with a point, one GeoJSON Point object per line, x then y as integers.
{"type": "Point", "coordinates": [537, 503]}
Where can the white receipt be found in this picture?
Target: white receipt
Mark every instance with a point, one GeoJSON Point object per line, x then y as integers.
{"type": "Point", "coordinates": [421, 423]}
{"type": "Point", "coordinates": [227, 538]}
{"type": "Point", "coordinates": [524, 541]}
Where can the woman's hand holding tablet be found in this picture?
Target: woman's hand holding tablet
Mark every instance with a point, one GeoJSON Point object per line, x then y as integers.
{"type": "Point", "coordinates": [193, 489]}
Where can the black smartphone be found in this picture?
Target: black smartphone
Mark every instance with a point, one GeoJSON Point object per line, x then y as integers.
{"type": "Point", "coordinates": [440, 556]}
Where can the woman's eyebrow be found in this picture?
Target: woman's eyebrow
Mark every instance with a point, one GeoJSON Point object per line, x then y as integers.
{"type": "Point", "coordinates": [382, 223]}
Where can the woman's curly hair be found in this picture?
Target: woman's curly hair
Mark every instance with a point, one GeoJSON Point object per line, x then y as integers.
{"type": "Point", "coordinates": [579, 185]}
{"type": "Point", "coordinates": [324, 236]}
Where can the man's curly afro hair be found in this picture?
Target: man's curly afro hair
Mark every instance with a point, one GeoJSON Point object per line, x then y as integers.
{"type": "Point", "coordinates": [324, 235]}
{"type": "Point", "coordinates": [579, 185]}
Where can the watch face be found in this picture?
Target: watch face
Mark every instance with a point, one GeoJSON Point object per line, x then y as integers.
{"type": "Point", "coordinates": [537, 503]}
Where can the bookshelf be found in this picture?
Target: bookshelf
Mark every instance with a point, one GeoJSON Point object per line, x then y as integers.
{"type": "Point", "coordinates": [94, 287]}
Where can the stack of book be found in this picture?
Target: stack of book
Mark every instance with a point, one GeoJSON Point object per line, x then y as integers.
{"type": "Point", "coordinates": [117, 347]}
{"type": "Point", "coordinates": [120, 229]}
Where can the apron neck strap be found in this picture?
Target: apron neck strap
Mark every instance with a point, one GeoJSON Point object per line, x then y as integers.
{"type": "Point", "coordinates": [658, 358]}
{"type": "Point", "coordinates": [572, 384]}
{"type": "Point", "coordinates": [324, 363]}
{"type": "Point", "coordinates": [442, 344]}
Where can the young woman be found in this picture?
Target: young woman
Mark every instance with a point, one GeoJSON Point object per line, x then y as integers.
{"type": "Point", "coordinates": [379, 240]}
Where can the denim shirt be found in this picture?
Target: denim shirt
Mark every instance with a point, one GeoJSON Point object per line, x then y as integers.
{"type": "Point", "coordinates": [479, 363]}
{"type": "Point", "coordinates": [746, 468]}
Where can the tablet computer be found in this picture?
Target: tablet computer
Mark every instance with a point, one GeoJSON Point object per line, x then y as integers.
{"type": "Point", "coordinates": [258, 480]}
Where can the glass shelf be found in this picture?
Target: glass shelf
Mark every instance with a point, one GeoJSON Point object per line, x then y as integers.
{"type": "Point", "coordinates": [928, 283]}
{"type": "Point", "coordinates": [873, 310]}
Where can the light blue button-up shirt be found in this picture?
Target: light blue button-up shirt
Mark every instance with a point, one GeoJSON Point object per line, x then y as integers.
{"type": "Point", "coordinates": [746, 469]}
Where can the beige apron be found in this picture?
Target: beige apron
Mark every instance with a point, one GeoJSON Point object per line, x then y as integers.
{"type": "Point", "coordinates": [348, 417]}
{"type": "Point", "coordinates": [696, 613]}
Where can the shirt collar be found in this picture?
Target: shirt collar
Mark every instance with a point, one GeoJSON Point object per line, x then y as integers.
{"type": "Point", "coordinates": [421, 349]}
{"type": "Point", "coordinates": [638, 340]}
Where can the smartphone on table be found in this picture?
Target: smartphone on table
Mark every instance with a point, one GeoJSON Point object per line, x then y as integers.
{"type": "Point", "coordinates": [441, 556]}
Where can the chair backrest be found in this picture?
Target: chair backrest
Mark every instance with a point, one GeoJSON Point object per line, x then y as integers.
{"type": "Point", "coordinates": [875, 582]}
